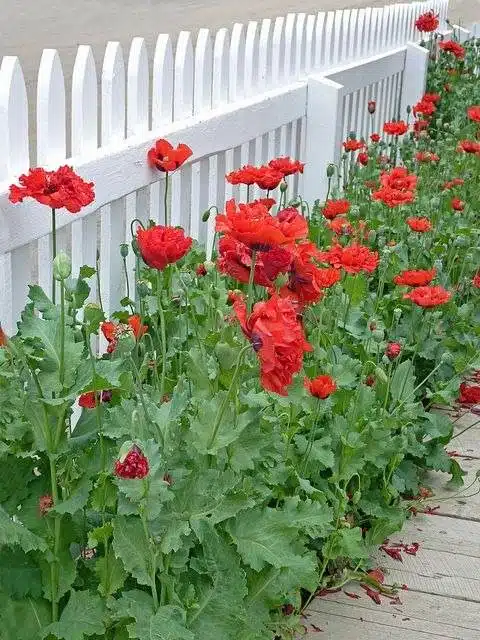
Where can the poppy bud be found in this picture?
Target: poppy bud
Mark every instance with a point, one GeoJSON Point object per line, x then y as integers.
{"type": "Point", "coordinates": [283, 187]}
{"type": "Point", "coordinates": [409, 109]}
{"type": "Point", "coordinates": [206, 215]}
{"type": "Point", "coordinates": [135, 248]}
{"type": "Point", "coordinates": [62, 267]}
{"type": "Point", "coordinates": [330, 170]}
{"type": "Point", "coordinates": [201, 270]}
{"type": "Point", "coordinates": [124, 250]}
{"type": "Point", "coordinates": [144, 288]}
{"type": "Point", "coordinates": [377, 335]}
{"type": "Point", "coordinates": [372, 105]}
{"type": "Point", "coordinates": [393, 350]}
{"type": "Point", "coordinates": [381, 375]}
{"type": "Point", "coordinates": [397, 312]}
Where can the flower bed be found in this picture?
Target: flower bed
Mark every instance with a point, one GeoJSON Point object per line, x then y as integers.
{"type": "Point", "coordinates": [253, 425]}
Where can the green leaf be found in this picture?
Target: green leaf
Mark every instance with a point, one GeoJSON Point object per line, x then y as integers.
{"type": "Point", "coordinates": [131, 547]}
{"type": "Point", "coordinates": [168, 623]}
{"type": "Point", "coordinates": [403, 382]}
{"type": "Point", "coordinates": [67, 572]}
{"type": "Point", "coordinates": [348, 543]}
{"type": "Point", "coordinates": [315, 518]}
{"type": "Point", "coordinates": [19, 574]}
{"type": "Point", "coordinates": [14, 533]}
{"type": "Point", "coordinates": [110, 573]}
{"type": "Point", "coordinates": [83, 616]}
{"type": "Point", "coordinates": [356, 287]}
{"type": "Point", "coordinates": [220, 612]}
{"type": "Point", "coordinates": [86, 271]}
{"type": "Point", "coordinates": [77, 500]}
{"type": "Point", "coordinates": [23, 619]}
{"type": "Point", "coordinates": [40, 300]}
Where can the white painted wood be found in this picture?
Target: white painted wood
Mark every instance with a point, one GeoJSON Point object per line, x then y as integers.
{"type": "Point", "coordinates": [113, 215]}
{"type": "Point", "coordinates": [310, 44]}
{"type": "Point", "coordinates": [414, 76]}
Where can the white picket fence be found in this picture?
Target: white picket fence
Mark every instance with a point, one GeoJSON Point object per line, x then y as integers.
{"type": "Point", "coordinates": [292, 86]}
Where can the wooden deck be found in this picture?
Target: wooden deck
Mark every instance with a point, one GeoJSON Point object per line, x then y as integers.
{"type": "Point", "coordinates": [443, 579]}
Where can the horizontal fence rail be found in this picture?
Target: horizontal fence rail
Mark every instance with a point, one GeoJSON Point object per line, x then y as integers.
{"type": "Point", "coordinates": [237, 96]}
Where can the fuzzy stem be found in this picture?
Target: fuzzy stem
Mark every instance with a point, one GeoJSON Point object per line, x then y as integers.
{"type": "Point", "coordinates": [61, 372]}
{"type": "Point", "coordinates": [163, 339]}
{"type": "Point", "coordinates": [56, 548]}
{"type": "Point", "coordinates": [54, 252]}
{"type": "Point", "coordinates": [165, 200]}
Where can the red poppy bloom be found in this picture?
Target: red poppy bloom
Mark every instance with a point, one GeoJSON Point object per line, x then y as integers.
{"type": "Point", "coordinates": [362, 158]}
{"type": "Point", "coordinates": [457, 204]}
{"type": "Point", "coordinates": [432, 97]}
{"type": "Point", "coordinates": [253, 225]}
{"type": "Point", "coordinates": [268, 178]}
{"type": "Point", "coordinates": [113, 330]}
{"type": "Point", "coordinates": [450, 46]}
{"type": "Point", "coordinates": [132, 466]}
{"type": "Point", "coordinates": [353, 258]}
{"type": "Point", "coordinates": [375, 137]}
{"type": "Point", "coordinates": [307, 281]}
{"type": "Point", "coordinates": [476, 280]}
{"type": "Point", "coordinates": [334, 208]}
{"type": "Point", "coordinates": [420, 125]}
{"type": "Point", "coordinates": [425, 107]}
{"type": "Point", "coordinates": [353, 145]}
{"type": "Point", "coordinates": [469, 146]}
{"type": "Point", "coordinates": [292, 223]}
{"type": "Point", "coordinates": [45, 503]}
{"type": "Point", "coordinates": [371, 106]}
{"type": "Point", "coordinates": [340, 226]}
{"type": "Point", "coordinates": [246, 175]}
{"type": "Point", "coordinates": [321, 387]}
{"type": "Point", "coordinates": [160, 246]}
{"type": "Point", "coordinates": [286, 166]}
{"type": "Point", "coordinates": [469, 394]}
{"type": "Point", "coordinates": [419, 224]}
{"type": "Point", "coordinates": [474, 113]}
{"type": "Point", "coordinates": [426, 156]}
{"type": "Point", "coordinates": [393, 197]}
{"type": "Point", "coordinates": [164, 157]}
{"type": "Point", "coordinates": [418, 278]}
{"type": "Point", "coordinates": [399, 178]}
{"type": "Point", "coordinates": [428, 296]}
{"type": "Point", "coordinates": [87, 400]}
{"type": "Point", "coordinates": [265, 202]}
{"type": "Point", "coordinates": [278, 339]}
{"type": "Point", "coordinates": [393, 350]}
{"type": "Point", "coordinates": [3, 338]}
{"type": "Point", "coordinates": [427, 22]}
{"type": "Point", "coordinates": [395, 128]}
{"type": "Point", "coordinates": [456, 182]}
{"type": "Point", "coordinates": [58, 189]}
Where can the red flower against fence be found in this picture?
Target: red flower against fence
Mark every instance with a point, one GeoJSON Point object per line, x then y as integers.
{"type": "Point", "coordinates": [278, 339]}
{"type": "Point", "coordinates": [419, 278]}
{"type": "Point", "coordinates": [58, 189]}
{"type": "Point", "coordinates": [335, 208]}
{"type": "Point", "coordinates": [133, 466]}
{"type": "Point", "coordinates": [375, 137]}
{"type": "Point", "coordinates": [353, 145]}
{"type": "Point", "coordinates": [420, 225]}
{"type": "Point", "coordinates": [321, 387]}
{"type": "Point", "coordinates": [286, 166]}
{"type": "Point", "coordinates": [160, 246]}
{"type": "Point", "coordinates": [419, 126]}
{"type": "Point", "coordinates": [362, 158]}
{"type": "Point", "coordinates": [268, 178]}
{"type": "Point", "coordinates": [399, 179]}
{"type": "Point", "coordinates": [340, 226]}
{"type": "Point", "coordinates": [395, 128]}
{"type": "Point", "coordinates": [424, 107]}
{"type": "Point", "coordinates": [428, 296]}
{"type": "Point", "coordinates": [307, 281]}
{"type": "Point", "coordinates": [292, 224]}
{"type": "Point", "coordinates": [393, 197]}
{"type": "Point", "coordinates": [474, 113]}
{"type": "Point", "coordinates": [432, 97]}
{"type": "Point", "coordinates": [353, 259]}
{"type": "Point", "coordinates": [469, 394]}
{"type": "Point", "coordinates": [113, 330]}
{"type": "Point", "coordinates": [450, 46]}
{"type": "Point", "coordinates": [164, 157]}
{"type": "Point", "coordinates": [427, 22]}
{"type": "Point", "coordinates": [3, 337]}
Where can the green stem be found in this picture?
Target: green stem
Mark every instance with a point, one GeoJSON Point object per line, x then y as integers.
{"type": "Point", "coordinates": [153, 559]}
{"type": "Point", "coordinates": [99, 291]}
{"type": "Point", "coordinates": [163, 338]}
{"type": "Point", "coordinates": [223, 406]}
{"type": "Point", "coordinates": [250, 281]}
{"type": "Point", "coordinates": [54, 574]}
{"type": "Point", "coordinates": [311, 440]}
{"type": "Point", "coordinates": [54, 252]}
{"type": "Point", "coordinates": [165, 200]}
{"type": "Point", "coordinates": [61, 372]}
{"type": "Point", "coordinates": [98, 413]}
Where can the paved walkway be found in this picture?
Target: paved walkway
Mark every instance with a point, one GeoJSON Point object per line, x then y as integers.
{"type": "Point", "coordinates": [443, 579]}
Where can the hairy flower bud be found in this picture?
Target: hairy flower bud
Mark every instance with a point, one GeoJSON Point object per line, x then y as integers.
{"type": "Point", "coordinates": [124, 250]}
{"type": "Point", "coordinates": [330, 170]}
{"type": "Point", "coordinates": [62, 266]}
{"type": "Point", "coordinates": [393, 350]}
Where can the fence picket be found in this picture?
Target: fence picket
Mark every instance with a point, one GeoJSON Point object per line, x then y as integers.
{"type": "Point", "coordinates": [236, 91]}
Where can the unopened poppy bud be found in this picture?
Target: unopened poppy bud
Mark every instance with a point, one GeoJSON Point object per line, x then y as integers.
{"type": "Point", "coordinates": [124, 250]}
{"type": "Point", "coordinates": [283, 187]}
{"type": "Point", "coordinates": [206, 215]}
{"type": "Point", "coordinates": [381, 375]}
{"type": "Point", "coordinates": [435, 202]}
{"type": "Point", "coordinates": [393, 350]}
{"type": "Point", "coordinates": [330, 170]}
{"type": "Point", "coordinates": [144, 288]}
{"type": "Point", "coordinates": [372, 105]}
{"type": "Point", "coordinates": [372, 235]}
{"type": "Point", "coordinates": [62, 266]}
{"type": "Point", "coordinates": [215, 293]}
{"type": "Point", "coordinates": [356, 497]}
{"type": "Point", "coordinates": [409, 109]}
{"type": "Point", "coordinates": [135, 248]}
{"type": "Point", "coordinates": [372, 326]}
{"type": "Point", "coordinates": [377, 335]}
{"type": "Point", "coordinates": [447, 357]}
{"type": "Point", "coordinates": [397, 312]}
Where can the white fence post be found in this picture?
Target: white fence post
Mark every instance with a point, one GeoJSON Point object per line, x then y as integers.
{"type": "Point", "coordinates": [324, 134]}
{"type": "Point", "coordinates": [414, 77]}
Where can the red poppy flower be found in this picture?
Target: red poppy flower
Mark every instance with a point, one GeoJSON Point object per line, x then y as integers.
{"type": "Point", "coordinates": [393, 350]}
{"type": "Point", "coordinates": [393, 197]}
{"type": "Point", "coordinates": [87, 400]}
{"type": "Point", "coordinates": [375, 137]}
{"type": "Point", "coordinates": [476, 280]}
{"type": "Point", "coordinates": [456, 182]}
{"type": "Point", "coordinates": [395, 128]}
{"type": "Point", "coordinates": [246, 175]}
{"type": "Point", "coordinates": [307, 281]}
{"type": "Point", "coordinates": [469, 394]}
{"type": "Point", "coordinates": [353, 258]}
{"type": "Point", "coordinates": [419, 224]}
{"type": "Point", "coordinates": [278, 339]}
{"type": "Point", "coordinates": [292, 224]}
{"type": "Point", "coordinates": [426, 156]}
{"type": "Point", "coordinates": [420, 125]}
{"type": "Point", "coordinates": [132, 466]}
{"type": "Point", "coordinates": [457, 204]}
{"type": "Point", "coordinates": [235, 260]}
{"type": "Point", "coordinates": [286, 166]}
{"type": "Point", "coordinates": [425, 107]}
{"type": "Point", "coordinates": [353, 145]}
{"type": "Point", "coordinates": [450, 46]}
{"type": "Point", "coordinates": [418, 278]}
{"type": "Point", "coordinates": [362, 158]}
{"type": "Point", "coordinates": [399, 179]}
{"type": "Point", "coordinates": [469, 146]}
{"type": "Point", "coordinates": [321, 387]}
{"type": "Point", "coordinates": [253, 225]}
{"type": "Point", "coordinates": [427, 22]}
{"type": "Point", "coordinates": [334, 208]}
{"type": "Point", "coordinates": [474, 113]}
{"type": "Point", "coordinates": [428, 296]}
{"type": "Point", "coordinates": [265, 202]}
{"type": "Point", "coordinates": [432, 97]}
{"type": "Point", "coordinates": [340, 226]}
{"type": "Point", "coordinates": [160, 246]}
{"type": "Point", "coordinates": [112, 330]}
{"type": "Point", "coordinates": [58, 189]}
{"type": "Point", "coordinates": [371, 107]}
{"type": "Point", "coordinates": [3, 337]}
{"type": "Point", "coordinates": [201, 270]}
{"type": "Point", "coordinates": [268, 178]}
{"type": "Point", "coordinates": [164, 157]}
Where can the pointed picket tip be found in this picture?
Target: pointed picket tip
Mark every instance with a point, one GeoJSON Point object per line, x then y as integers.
{"type": "Point", "coordinates": [113, 94]}
{"type": "Point", "coordinates": [138, 82]}
{"type": "Point", "coordinates": [183, 77]}
{"type": "Point", "coordinates": [203, 72]}
{"type": "Point", "coordinates": [84, 102]}
{"type": "Point", "coordinates": [221, 68]}
{"type": "Point", "coordinates": [14, 158]}
{"type": "Point", "coordinates": [51, 129]}
{"type": "Point", "coordinates": [162, 82]}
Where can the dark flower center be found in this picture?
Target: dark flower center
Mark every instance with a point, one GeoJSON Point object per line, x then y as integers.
{"type": "Point", "coordinates": [256, 342]}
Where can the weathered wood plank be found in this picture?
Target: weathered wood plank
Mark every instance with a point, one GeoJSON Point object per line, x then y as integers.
{"type": "Point", "coordinates": [441, 533]}
{"type": "Point", "coordinates": [461, 503]}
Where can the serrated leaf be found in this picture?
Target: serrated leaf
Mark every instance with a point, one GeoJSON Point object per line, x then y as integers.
{"type": "Point", "coordinates": [356, 286]}
{"type": "Point", "coordinates": [83, 616]}
{"type": "Point", "coordinates": [315, 518]}
{"type": "Point", "coordinates": [131, 547]}
{"type": "Point", "coordinates": [77, 500]}
{"type": "Point", "coordinates": [23, 619]}
{"type": "Point", "coordinates": [67, 572]}
{"type": "Point", "coordinates": [168, 623]}
{"type": "Point", "coordinates": [348, 543]}
{"type": "Point", "coordinates": [19, 574]}
{"type": "Point", "coordinates": [110, 573]}
{"type": "Point", "coordinates": [86, 271]}
{"type": "Point", "coordinates": [40, 299]}
{"type": "Point", "coordinates": [14, 533]}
